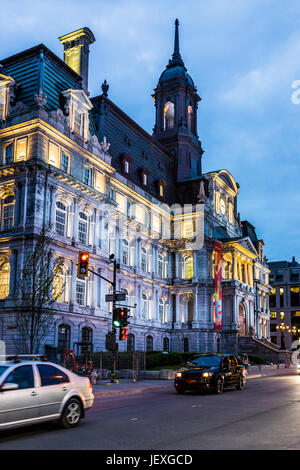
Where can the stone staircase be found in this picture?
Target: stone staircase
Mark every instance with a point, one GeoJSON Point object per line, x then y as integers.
{"type": "Point", "coordinates": [261, 347]}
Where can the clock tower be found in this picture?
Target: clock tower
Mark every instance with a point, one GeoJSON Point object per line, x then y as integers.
{"type": "Point", "coordinates": [176, 103]}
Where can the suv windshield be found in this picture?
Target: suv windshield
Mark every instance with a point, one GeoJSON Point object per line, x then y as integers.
{"type": "Point", "coordinates": [205, 361]}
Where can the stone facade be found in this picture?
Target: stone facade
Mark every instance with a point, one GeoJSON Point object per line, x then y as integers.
{"type": "Point", "coordinates": [81, 166]}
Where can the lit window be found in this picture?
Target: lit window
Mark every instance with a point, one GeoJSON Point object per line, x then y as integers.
{"type": "Point", "coordinates": [83, 227]}
{"type": "Point", "coordinates": [281, 315]}
{"type": "Point", "coordinates": [188, 230]}
{"type": "Point", "coordinates": [145, 179]}
{"type": "Point", "coordinates": [4, 279]}
{"type": "Point", "coordinates": [64, 333]}
{"type": "Point", "coordinates": [161, 190]}
{"type": "Point", "coordinates": [169, 115]}
{"type": "Point", "coordinates": [126, 166]}
{"type": "Point", "coordinates": [59, 286]}
{"type": "Point", "coordinates": [8, 205]}
{"type": "Point", "coordinates": [21, 149]}
{"type": "Point", "coordinates": [60, 219]}
{"type": "Point", "coordinates": [188, 271]}
{"type": "Point", "coordinates": [78, 122]}
{"type": "Point", "coordinates": [2, 103]}
{"type": "Point", "coordinates": [190, 117]}
{"type": "Point", "coordinates": [273, 315]}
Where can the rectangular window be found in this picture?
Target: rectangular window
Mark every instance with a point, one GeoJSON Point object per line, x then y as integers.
{"type": "Point", "coordinates": [53, 154]}
{"type": "Point", "coordinates": [21, 149]}
{"type": "Point", "coordinates": [9, 153]}
{"type": "Point", "coordinates": [65, 162]}
{"type": "Point", "coordinates": [3, 94]}
{"type": "Point", "coordinates": [295, 297]}
{"type": "Point", "coordinates": [279, 275]}
{"type": "Point", "coordinates": [139, 213]}
{"type": "Point", "coordinates": [80, 292]}
{"type": "Point", "coordinates": [87, 176]}
{"type": "Point", "coordinates": [78, 122]}
{"type": "Point", "coordinates": [281, 295]}
{"type": "Point", "coordinates": [156, 223]}
{"type": "Point", "coordinates": [294, 275]}
{"type": "Point", "coordinates": [272, 298]}
{"type": "Point", "coordinates": [121, 201]}
{"type": "Point", "coordinates": [188, 230]}
{"type": "Point", "coordinates": [273, 315]}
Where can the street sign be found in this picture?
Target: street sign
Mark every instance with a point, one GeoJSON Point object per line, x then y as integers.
{"type": "Point", "coordinates": [115, 297]}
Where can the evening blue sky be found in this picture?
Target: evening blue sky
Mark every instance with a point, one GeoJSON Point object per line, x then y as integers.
{"type": "Point", "coordinates": [243, 56]}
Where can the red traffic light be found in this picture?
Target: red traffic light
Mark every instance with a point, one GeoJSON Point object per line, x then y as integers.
{"type": "Point", "coordinates": [83, 264]}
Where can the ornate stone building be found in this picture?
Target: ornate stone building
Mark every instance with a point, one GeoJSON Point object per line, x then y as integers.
{"type": "Point", "coordinates": [83, 167]}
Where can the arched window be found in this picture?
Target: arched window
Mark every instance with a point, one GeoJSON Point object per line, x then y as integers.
{"type": "Point", "coordinates": [125, 252]}
{"type": "Point", "coordinates": [83, 226]}
{"type": "Point", "coordinates": [190, 117]}
{"type": "Point", "coordinates": [8, 206]}
{"type": "Point", "coordinates": [161, 310]}
{"type": "Point", "coordinates": [130, 342]}
{"type": "Point", "coordinates": [169, 112]}
{"type": "Point", "coordinates": [188, 268]}
{"type": "Point", "coordinates": [4, 279]}
{"type": "Point", "coordinates": [61, 219]}
{"type": "Point", "coordinates": [185, 345]}
{"type": "Point", "coordinates": [166, 345]}
{"type": "Point", "coordinates": [64, 334]}
{"type": "Point", "coordinates": [149, 343]}
{"type": "Point", "coordinates": [87, 335]}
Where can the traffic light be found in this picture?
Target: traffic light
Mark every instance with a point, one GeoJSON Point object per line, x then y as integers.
{"type": "Point", "coordinates": [117, 320]}
{"type": "Point", "coordinates": [83, 264]}
{"type": "Point", "coordinates": [123, 334]}
{"type": "Point", "coordinates": [124, 316]}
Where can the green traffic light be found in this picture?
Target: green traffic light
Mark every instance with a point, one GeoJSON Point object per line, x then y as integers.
{"type": "Point", "coordinates": [117, 323]}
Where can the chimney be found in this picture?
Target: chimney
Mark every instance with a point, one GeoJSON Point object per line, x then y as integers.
{"type": "Point", "coordinates": [76, 52]}
{"type": "Point", "coordinates": [293, 259]}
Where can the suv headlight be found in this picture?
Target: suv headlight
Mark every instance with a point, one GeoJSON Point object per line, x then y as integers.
{"type": "Point", "coordinates": [207, 374]}
{"type": "Point", "coordinates": [178, 374]}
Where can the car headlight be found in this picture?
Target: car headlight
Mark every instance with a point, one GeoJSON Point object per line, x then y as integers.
{"type": "Point", "coordinates": [298, 366]}
{"type": "Point", "coordinates": [207, 374]}
{"type": "Point", "coordinates": [178, 374]}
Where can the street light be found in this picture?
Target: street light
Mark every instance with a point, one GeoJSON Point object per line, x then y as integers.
{"type": "Point", "coordinates": [282, 327]}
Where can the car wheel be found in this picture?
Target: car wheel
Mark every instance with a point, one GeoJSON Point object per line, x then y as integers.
{"type": "Point", "coordinates": [180, 390]}
{"type": "Point", "coordinates": [220, 386]}
{"type": "Point", "coordinates": [241, 383]}
{"type": "Point", "coordinates": [71, 414]}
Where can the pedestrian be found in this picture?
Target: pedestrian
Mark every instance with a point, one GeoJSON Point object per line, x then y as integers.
{"type": "Point", "coordinates": [246, 362]}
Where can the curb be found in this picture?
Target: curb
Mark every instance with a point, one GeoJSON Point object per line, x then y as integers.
{"type": "Point", "coordinates": [170, 385]}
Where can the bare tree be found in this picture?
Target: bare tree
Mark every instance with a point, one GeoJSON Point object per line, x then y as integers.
{"type": "Point", "coordinates": [40, 287]}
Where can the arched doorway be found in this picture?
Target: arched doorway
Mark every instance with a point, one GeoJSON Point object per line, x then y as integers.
{"type": "Point", "coordinates": [242, 319]}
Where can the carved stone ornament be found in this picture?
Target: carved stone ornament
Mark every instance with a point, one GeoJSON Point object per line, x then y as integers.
{"type": "Point", "coordinates": [104, 145]}
{"type": "Point", "coordinates": [201, 196]}
{"type": "Point", "coordinates": [40, 98]}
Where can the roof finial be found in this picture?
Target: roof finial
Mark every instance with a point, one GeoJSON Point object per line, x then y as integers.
{"type": "Point", "coordinates": [176, 57]}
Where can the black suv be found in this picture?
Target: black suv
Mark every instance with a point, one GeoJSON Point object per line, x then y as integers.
{"type": "Point", "coordinates": [210, 372]}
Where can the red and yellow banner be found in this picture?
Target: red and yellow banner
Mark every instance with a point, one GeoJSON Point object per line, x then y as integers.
{"type": "Point", "coordinates": [218, 287]}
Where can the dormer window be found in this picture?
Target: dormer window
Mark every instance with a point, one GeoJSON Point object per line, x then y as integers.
{"type": "Point", "coordinates": [126, 167]}
{"type": "Point", "coordinates": [144, 177]}
{"type": "Point", "coordinates": [161, 188]}
{"type": "Point", "coordinates": [77, 106]}
{"type": "Point", "coordinates": [126, 163]}
{"type": "Point", "coordinates": [5, 86]}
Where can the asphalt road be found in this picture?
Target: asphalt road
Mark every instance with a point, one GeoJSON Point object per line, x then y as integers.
{"type": "Point", "coordinates": [263, 416]}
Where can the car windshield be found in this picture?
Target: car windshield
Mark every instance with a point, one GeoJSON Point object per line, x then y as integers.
{"type": "Point", "coordinates": [2, 369]}
{"type": "Point", "coordinates": [205, 361]}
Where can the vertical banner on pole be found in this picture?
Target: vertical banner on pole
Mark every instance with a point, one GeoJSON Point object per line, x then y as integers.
{"type": "Point", "coordinates": [218, 287]}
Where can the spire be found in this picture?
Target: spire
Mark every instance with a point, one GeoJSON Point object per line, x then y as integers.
{"type": "Point", "coordinates": [176, 56]}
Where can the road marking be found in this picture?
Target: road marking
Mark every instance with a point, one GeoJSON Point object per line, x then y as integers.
{"type": "Point", "coordinates": [134, 419]}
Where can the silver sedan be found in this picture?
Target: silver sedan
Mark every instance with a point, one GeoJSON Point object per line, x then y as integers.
{"type": "Point", "coordinates": [34, 391]}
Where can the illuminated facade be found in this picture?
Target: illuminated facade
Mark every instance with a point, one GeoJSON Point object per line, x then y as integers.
{"type": "Point", "coordinates": [80, 165]}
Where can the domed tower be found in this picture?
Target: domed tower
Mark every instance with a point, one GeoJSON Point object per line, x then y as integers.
{"type": "Point", "coordinates": [176, 102]}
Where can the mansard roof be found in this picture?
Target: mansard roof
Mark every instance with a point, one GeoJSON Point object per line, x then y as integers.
{"type": "Point", "coordinates": [127, 138]}
{"type": "Point", "coordinates": [38, 68]}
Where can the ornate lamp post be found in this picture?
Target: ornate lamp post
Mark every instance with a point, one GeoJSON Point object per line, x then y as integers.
{"type": "Point", "coordinates": [282, 327]}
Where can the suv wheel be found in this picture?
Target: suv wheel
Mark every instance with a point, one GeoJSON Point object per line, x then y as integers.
{"type": "Point", "coordinates": [241, 383]}
{"type": "Point", "coordinates": [180, 390]}
{"type": "Point", "coordinates": [220, 386]}
{"type": "Point", "coordinates": [71, 414]}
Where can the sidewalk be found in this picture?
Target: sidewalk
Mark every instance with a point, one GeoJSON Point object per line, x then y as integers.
{"type": "Point", "coordinates": [127, 387]}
